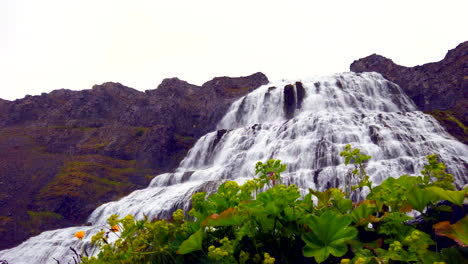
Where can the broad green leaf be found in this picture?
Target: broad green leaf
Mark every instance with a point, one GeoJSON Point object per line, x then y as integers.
{"type": "Point", "coordinates": [329, 234]}
{"type": "Point", "coordinates": [272, 209]}
{"type": "Point", "coordinates": [229, 217]}
{"type": "Point", "coordinates": [392, 192]}
{"type": "Point", "coordinates": [457, 231]}
{"type": "Point", "coordinates": [361, 214]}
{"type": "Point", "coordinates": [344, 205]}
{"type": "Point", "coordinates": [419, 198]}
{"type": "Point", "coordinates": [307, 203]}
{"type": "Point", "coordinates": [339, 200]}
{"type": "Point", "coordinates": [193, 243]}
{"type": "Point", "coordinates": [323, 197]}
{"type": "Point", "coordinates": [455, 254]}
{"type": "Point", "coordinates": [455, 197]}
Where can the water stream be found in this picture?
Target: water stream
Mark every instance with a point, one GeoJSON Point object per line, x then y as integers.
{"type": "Point", "coordinates": [305, 123]}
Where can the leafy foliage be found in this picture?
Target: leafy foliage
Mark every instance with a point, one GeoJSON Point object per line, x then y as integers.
{"type": "Point", "coordinates": [264, 221]}
{"type": "Point", "coordinates": [457, 231]}
{"type": "Point", "coordinates": [359, 160]}
{"type": "Point", "coordinates": [328, 235]}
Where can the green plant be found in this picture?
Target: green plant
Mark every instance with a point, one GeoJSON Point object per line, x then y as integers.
{"type": "Point", "coordinates": [359, 160]}
{"type": "Point", "coordinates": [264, 221]}
{"type": "Point", "coordinates": [328, 235]}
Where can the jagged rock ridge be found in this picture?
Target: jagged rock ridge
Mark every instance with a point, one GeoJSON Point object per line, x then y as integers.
{"type": "Point", "coordinates": [64, 153]}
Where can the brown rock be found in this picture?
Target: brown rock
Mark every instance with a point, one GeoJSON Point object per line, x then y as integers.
{"type": "Point", "coordinates": [64, 153]}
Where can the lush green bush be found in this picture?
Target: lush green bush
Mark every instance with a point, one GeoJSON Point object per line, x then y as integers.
{"type": "Point", "coordinates": [264, 221]}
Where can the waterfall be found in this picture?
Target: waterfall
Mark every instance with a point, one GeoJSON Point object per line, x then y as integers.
{"type": "Point", "coordinates": [305, 123]}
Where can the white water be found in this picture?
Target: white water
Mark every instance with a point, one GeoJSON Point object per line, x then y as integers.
{"type": "Point", "coordinates": [363, 110]}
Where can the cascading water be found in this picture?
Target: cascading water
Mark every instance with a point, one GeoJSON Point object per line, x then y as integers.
{"type": "Point", "coordinates": [305, 124]}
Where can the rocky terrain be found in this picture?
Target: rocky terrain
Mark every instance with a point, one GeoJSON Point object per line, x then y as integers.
{"type": "Point", "coordinates": [438, 88]}
{"type": "Point", "coordinates": [64, 153]}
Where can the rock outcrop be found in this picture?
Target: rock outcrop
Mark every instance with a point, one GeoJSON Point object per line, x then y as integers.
{"type": "Point", "coordinates": [64, 153]}
{"type": "Point", "coordinates": [438, 88]}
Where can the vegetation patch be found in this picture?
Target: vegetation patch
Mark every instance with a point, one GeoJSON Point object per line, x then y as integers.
{"type": "Point", "coordinates": [184, 141]}
{"type": "Point", "coordinates": [86, 181]}
{"type": "Point", "coordinates": [241, 90]}
{"type": "Point", "coordinates": [39, 221]}
{"type": "Point", "coordinates": [452, 123]}
{"type": "Point", "coordinates": [265, 221]}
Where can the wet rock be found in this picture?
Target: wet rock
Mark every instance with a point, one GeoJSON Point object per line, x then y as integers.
{"type": "Point", "coordinates": [219, 135]}
{"type": "Point", "coordinates": [300, 94]}
{"type": "Point", "coordinates": [317, 87]}
{"type": "Point", "coordinates": [374, 135]}
{"type": "Point", "coordinates": [289, 104]}
{"type": "Point", "coordinates": [339, 84]}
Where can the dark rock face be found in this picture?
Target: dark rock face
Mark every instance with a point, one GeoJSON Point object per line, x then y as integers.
{"type": "Point", "coordinates": [64, 153]}
{"type": "Point", "coordinates": [434, 87]}
{"type": "Point", "coordinates": [293, 97]}
{"type": "Point", "coordinates": [374, 135]}
{"type": "Point", "coordinates": [289, 101]}
{"type": "Point", "coordinates": [300, 94]}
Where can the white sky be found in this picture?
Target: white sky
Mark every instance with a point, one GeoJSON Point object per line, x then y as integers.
{"type": "Point", "coordinates": [74, 44]}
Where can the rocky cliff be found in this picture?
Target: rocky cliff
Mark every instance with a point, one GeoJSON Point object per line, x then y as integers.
{"type": "Point", "coordinates": [438, 88]}
{"type": "Point", "coordinates": [64, 153]}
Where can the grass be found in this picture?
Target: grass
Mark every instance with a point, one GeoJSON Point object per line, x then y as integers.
{"type": "Point", "coordinates": [454, 125]}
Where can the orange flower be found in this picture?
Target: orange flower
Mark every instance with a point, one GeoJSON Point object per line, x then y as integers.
{"type": "Point", "coordinates": [115, 228]}
{"type": "Point", "coordinates": [80, 234]}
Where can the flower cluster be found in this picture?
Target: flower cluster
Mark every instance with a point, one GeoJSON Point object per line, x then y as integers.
{"type": "Point", "coordinates": [268, 259]}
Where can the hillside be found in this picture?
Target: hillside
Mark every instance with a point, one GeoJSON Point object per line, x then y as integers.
{"type": "Point", "coordinates": [64, 153]}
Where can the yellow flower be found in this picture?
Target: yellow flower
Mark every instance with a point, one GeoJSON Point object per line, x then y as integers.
{"type": "Point", "coordinates": [360, 260]}
{"type": "Point", "coordinates": [80, 234]}
{"type": "Point", "coordinates": [268, 259]}
{"type": "Point", "coordinates": [345, 261]}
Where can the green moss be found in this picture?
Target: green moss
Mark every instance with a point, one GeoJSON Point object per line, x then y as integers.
{"type": "Point", "coordinates": [451, 123]}
{"type": "Point", "coordinates": [91, 179]}
{"type": "Point", "coordinates": [94, 144]}
{"type": "Point", "coordinates": [448, 115]}
{"type": "Point", "coordinates": [44, 215]}
{"type": "Point", "coordinates": [183, 139]}
{"type": "Point", "coordinates": [79, 179]}
{"type": "Point", "coordinates": [40, 220]}
{"type": "Point", "coordinates": [149, 177]}
{"type": "Point", "coordinates": [237, 90]}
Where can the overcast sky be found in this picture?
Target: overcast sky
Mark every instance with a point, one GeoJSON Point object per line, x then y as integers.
{"type": "Point", "coordinates": [52, 44]}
